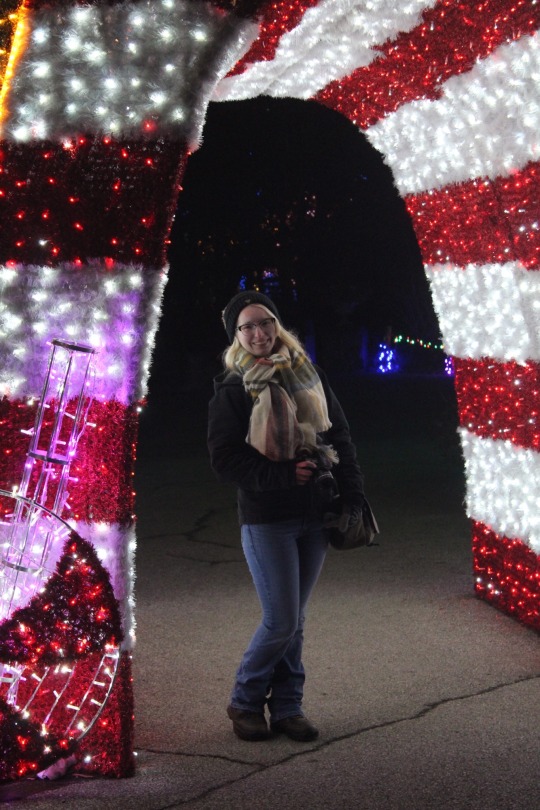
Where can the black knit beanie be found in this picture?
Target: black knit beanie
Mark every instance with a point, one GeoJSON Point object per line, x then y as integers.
{"type": "Point", "coordinates": [235, 306]}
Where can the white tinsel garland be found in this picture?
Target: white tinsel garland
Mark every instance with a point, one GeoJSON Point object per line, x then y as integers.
{"type": "Point", "coordinates": [127, 69]}
{"type": "Point", "coordinates": [488, 310]}
{"type": "Point", "coordinates": [503, 486]}
{"type": "Point", "coordinates": [332, 39]}
{"type": "Point", "coordinates": [485, 125]}
{"type": "Point", "coordinates": [115, 311]}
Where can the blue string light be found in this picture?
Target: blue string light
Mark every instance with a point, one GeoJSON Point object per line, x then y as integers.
{"type": "Point", "coordinates": [387, 360]}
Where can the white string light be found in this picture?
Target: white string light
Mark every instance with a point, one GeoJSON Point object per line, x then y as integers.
{"type": "Point", "coordinates": [478, 128]}
{"type": "Point", "coordinates": [503, 487]}
{"type": "Point", "coordinates": [114, 310]}
{"type": "Point", "coordinates": [488, 310]}
{"type": "Point", "coordinates": [158, 67]}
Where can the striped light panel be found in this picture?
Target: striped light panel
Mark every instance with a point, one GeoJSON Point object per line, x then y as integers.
{"type": "Point", "coordinates": [101, 104]}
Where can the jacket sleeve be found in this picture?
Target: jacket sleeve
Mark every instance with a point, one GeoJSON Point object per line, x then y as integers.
{"type": "Point", "coordinates": [232, 459]}
{"type": "Point", "coordinates": [347, 472]}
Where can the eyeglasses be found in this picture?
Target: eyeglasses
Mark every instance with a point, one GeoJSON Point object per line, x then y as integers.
{"type": "Point", "coordinates": [249, 327]}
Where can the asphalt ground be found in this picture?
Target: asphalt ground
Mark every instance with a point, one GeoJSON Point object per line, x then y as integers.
{"type": "Point", "coordinates": [425, 696]}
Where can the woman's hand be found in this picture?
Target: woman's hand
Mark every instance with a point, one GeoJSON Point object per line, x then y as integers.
{"type": "Point", "coordinates": [304, 471]}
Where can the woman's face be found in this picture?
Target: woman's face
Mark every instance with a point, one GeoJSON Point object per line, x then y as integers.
{"type": "Point", "coordinates": [259, 336]}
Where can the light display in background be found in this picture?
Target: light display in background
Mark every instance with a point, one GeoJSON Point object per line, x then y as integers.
{"type": "Point", "coordinates": [387, 362]}
{"type": "Point", "coordinates": [389, 359]}
{"type": "Point", "coordinates": [94, 144]}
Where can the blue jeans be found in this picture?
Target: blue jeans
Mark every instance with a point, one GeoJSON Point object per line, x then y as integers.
{"type": "Point", "coordinates": [285, 560]}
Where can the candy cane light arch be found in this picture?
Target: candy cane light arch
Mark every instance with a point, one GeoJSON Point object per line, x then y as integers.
{"type": "Point", "coordinates": [102, 102]}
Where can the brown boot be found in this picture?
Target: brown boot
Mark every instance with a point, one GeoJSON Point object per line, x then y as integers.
{"type": "Point", "coordinates": [248, 725]}
{"type": "Point", "coordinates": [297, 728]}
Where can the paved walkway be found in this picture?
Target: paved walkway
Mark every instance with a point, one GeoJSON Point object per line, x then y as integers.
{"type": "Point", "coordinates": [425, 696]}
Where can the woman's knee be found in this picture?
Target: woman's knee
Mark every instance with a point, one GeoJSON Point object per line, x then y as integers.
{"type": "Point", "coordinates": [281, 629]}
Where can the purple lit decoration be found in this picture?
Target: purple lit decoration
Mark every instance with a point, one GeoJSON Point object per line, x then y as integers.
{"type": "Point", "coordinates": [449, 369]}
{"type": "Point", "coordinates": [387, 360]}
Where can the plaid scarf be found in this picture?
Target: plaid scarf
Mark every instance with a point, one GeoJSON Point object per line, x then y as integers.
{"type": "Point", "coordinates": [289, 407]}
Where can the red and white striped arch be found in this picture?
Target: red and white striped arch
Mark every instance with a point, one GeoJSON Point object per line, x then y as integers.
{"type": "Point", "coordinates": [447, 91]}
{"type": "Point", "coordinates": [102, 102]}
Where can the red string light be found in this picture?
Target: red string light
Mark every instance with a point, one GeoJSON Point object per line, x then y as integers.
{"type": "Point", "coordinates": [274, 22]}
{"type": "Point", "coordinates": [114, 186]}
{"type": "Point", "coordinates": [507, 574]}
{"type": "Point", "coordinates": [449, 40]}
{"type": "Point", "coordinates": [100, 491]}
{"type": "Point", "coordinates": [499, 400]}
{"type": "Point", "coordinates": [480, 221]}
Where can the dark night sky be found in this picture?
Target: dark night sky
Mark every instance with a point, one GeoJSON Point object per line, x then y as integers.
{"type": "Point", "coordinates": [292, 187]}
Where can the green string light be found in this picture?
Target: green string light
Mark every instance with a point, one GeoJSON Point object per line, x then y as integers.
{"type": "Point", "coordinates": [425, 344]}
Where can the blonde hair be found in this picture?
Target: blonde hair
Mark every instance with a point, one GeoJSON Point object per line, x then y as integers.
{"type": "Point", "coordinates": [284, 336]}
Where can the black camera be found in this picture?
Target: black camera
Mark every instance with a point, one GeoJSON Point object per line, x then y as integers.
{"type": "Point", "coordinates": [324, 482]}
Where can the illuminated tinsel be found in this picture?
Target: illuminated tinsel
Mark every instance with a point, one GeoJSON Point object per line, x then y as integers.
{"type": "Point", "coordinates": [507, 574]}
{"type": "Point", "coordinates": [87, 197]}
{"type": "Point", "coordinates": [107, 748]}
{"type": "Point", "coordinates": [329, 42]}
{"type": "Point", "coordinates": [449, 40]}
{"type": "Point", "coordinates": [449, 92]}
{"type": "Point", "coordinates": [103, 470]}
{"type": "Point", "coordinates": [487, 310]}
{"type": "Point", "coordinates": [503, 486]}
{"type": "Point", "coordinates": [272, 28]}
{"type": "Point", "coordinates": [75, 614]}
{"type": "Point", "coordinates": [67, 628]}
{"type": "Point", "coordinates": [24, 749]}
{"type": "Point", "coordinates": [96, 755]}
{"type": "Point", "coordinates": [113, 308]}
{"type": "Point", "coordinates": [481, 220]}
{"type": "Point", "coordinates": [500, 400]}
{"type": "Point", "coordinates": [151, 78]}
{"type": "Point", "coordinates": [8, 21]}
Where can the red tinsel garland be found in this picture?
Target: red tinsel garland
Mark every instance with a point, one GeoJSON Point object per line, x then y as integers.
{"type": "Point", "coordinates": [499, 400]}
{"type": "Point", "coordinates": [24, 749]}
{"type": "Point", "coordinates": [507, 574]}
{"type": "Point", "coordinates": [275, 20]}
{"type": "Point", "coordinates": [74, 615]}
{"type": "Point", "coordinates": [449, 40]}
{"type": "Point", "coordinates": [74, 620]}
{"type": "Point", "coordinates": [105, 465]}
{"type": "Point", "coordinates": [480, 221]}
{"type": "Point", "coordinates": [103, 470]}
{"type": "Point", "coordinates": [108, 749]}
{"type": "Point", "coordinates": [88, 197]}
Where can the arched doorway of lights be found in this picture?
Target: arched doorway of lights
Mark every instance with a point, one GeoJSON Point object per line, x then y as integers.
{"type": "Point", "coordinates": [347, 290]}
{"type": "Point", "coordinates": [484, 229]}
{"type": "Point", "coordinates": [302, 207]}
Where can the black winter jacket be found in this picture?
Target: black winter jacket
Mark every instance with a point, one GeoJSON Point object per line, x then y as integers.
{"type": "Point", "coordinates": [267, 490]}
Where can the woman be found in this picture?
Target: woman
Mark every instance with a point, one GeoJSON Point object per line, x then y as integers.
{"type": "Point", "coordinates": [276, 430]}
